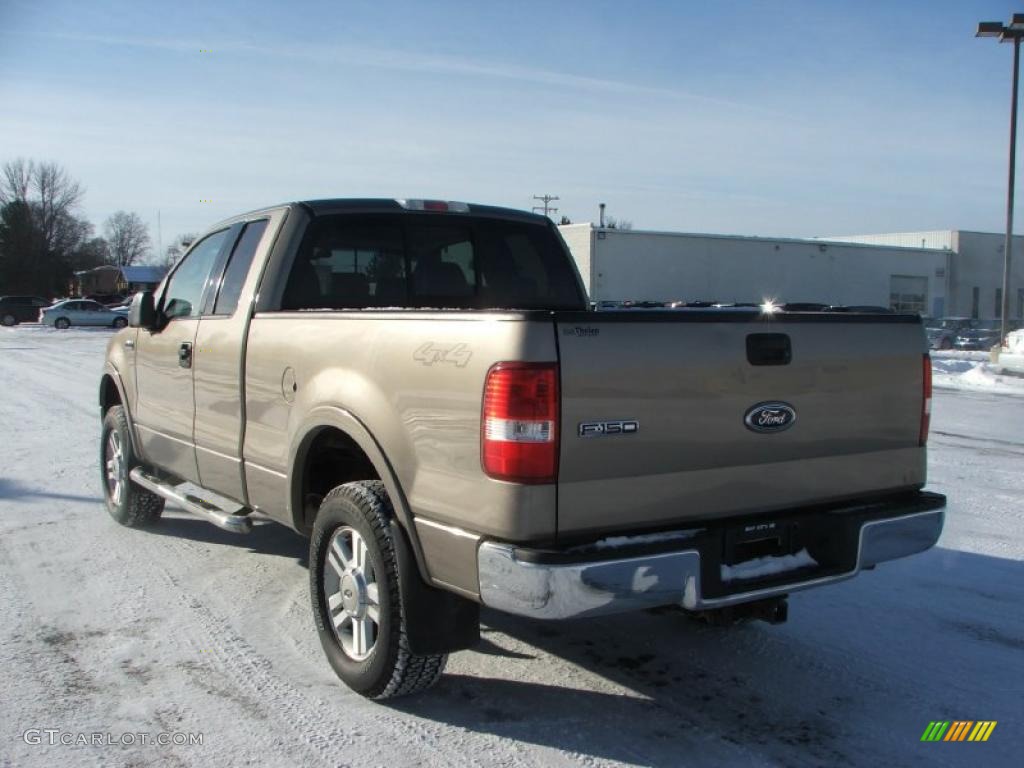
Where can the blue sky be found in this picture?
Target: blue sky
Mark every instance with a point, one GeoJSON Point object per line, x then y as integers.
{"type": "Point", "coordinates": [774, 118]}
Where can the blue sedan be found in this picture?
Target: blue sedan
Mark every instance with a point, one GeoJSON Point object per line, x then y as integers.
{"type": "Point", "coordinates": [65, 314]}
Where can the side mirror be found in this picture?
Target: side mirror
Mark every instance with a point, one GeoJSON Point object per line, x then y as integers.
{"type": "Point", "coordinates": [143, 311]}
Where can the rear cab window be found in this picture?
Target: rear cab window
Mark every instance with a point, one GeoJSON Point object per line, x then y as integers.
{"type": "Point", "coordinates": [359, 261]}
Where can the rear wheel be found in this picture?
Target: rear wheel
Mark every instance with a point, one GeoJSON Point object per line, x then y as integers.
{"type": "Point", "coordinates": [9, 320]}
{"type": "Point", "coordinates": [357, 602]}
{"type": "Point", "coordinates": [62, 323]}
{"type": "Point", "coordinates": [120, 322]}
{"type": "Point", "coordinates": [130, 504]}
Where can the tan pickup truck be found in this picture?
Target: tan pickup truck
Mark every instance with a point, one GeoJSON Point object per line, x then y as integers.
{"type": "Point", "coordinates": [421, 387]}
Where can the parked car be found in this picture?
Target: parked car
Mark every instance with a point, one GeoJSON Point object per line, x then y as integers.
{"type": "Point", "coordinates": [421, 388]}
{"type": "Point", "coordinates": [106, 299]}
{"type": "Point", "coordinates": [942, 332]}
{"type": "Point", "coordinates": [870, 309]}
{"type": "Point", "coordinates": [64, 314]}
{"type": "Point", "coordinates": [982, 337]}
{"type": "Point", "coordinates": [20, 309]}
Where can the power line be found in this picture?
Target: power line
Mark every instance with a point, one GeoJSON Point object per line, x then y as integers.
{"type": "Point", "coordinates": [546, 208]}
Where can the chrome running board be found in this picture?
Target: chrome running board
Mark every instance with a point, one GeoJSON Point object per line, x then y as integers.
{"type": "Point", "coordinates": [238, 521]}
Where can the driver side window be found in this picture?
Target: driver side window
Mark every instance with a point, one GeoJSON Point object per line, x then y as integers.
{"type": "Point", "coordinates": [184, 294]}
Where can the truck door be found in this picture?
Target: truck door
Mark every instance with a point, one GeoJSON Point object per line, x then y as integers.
{"type": "Point", "coordinates": [165, 408]}
{"type": "Point", "coordinates": [218, 361]}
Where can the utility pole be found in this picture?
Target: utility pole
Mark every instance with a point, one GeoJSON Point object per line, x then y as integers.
{"type": "Point", "coordinates": [547, 200]}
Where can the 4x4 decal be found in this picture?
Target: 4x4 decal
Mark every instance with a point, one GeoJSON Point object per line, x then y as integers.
{"type": "Point", "coordinates": [430, 353]}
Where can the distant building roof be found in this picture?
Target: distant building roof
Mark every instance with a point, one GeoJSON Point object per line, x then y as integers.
{"type": "Point", "coordinates": [143, 274]}
{"type": "Point", "coordinates": [104, 268]}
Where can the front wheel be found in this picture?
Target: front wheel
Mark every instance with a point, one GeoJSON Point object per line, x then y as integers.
{"type": "Point", "coordinates": [9, 320]}
{"type": "Point", "coordinates": [357, 603]}
{"type": "Point", "coordinates": [130, 504]}
{"type": "Point", "coordinates": [61, 323]}
{"type": "Point", "coordinates": [120, 322]}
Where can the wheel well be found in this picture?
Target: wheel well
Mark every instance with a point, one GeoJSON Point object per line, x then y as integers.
{"type": "Point", "coordinates": [109, 396]}
{"type": "Point", "coordinates": [331, 459]}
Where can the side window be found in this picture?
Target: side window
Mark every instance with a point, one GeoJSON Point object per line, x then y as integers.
{"type": "Point", "coordinates": [184, 292]}
{"type": "Point", "coordinates": [238, 268]}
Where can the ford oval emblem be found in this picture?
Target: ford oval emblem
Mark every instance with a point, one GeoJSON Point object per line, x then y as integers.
{"type": "Point", "coordinates": [770, 417]}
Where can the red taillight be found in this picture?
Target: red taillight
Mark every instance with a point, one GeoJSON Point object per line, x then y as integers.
{"type": "Point", "coordinates": [519, 428]}
{"type": "Point", "coordinates": [926, 401]}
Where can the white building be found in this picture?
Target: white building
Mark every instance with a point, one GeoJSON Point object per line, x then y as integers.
{"type": "Point", "coordinates": [618, 265]}
{"type": "Point", "coordinates": [975, 278]}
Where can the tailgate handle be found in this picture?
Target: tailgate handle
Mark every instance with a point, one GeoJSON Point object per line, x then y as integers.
{"type": "Point", "coordinates": [769, 349]}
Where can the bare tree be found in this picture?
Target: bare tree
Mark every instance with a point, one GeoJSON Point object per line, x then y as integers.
{"type": "Point", "coordinates": [16, 181]}
{"type": "Point", "coordinates": [41, 232]}
{"type": "Point", "coordinates": [127, 237]}
{"type": "Point", "coordinates": [53, 196]}
{"type": "Point", "coordinates": [177, 247]}
{"type": "Point", "coordinates": [93, 252]}
{"type": "Point", "coordinates": [58, 195]}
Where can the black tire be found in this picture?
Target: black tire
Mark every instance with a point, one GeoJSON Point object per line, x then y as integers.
{"type": "Point", "coordinates": [61, 323]}
{"type": "Point", "coordinates": [946, 344]}
{"type": "Point", "coordinates": [390, 669]}
{"type": "Point", "coordinates": [136, 507]}
{"type": "Point", "coordinates": [8, 320]}
{"type": "Point", "coordinates": [120, 322]}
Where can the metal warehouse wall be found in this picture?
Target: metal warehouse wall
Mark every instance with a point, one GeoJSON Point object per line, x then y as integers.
{"type": "Point", "coordinates": [664, 266]}
{"type": "Point", "coordinates": [939, 238]}
{"type": "Point", "coordinates": [579, 238]}
{"type": "Point", "coordinates": [976, 273]}
{"type": "Point", "coordinates": [979, 265]}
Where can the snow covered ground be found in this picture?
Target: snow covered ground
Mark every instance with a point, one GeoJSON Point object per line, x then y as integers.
{"type": "Point", "coordinates": [972, 372]}
{"type": "Point", "coordinates": [190, 629]}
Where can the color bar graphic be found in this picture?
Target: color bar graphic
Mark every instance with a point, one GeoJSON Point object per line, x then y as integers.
{"type": "Point", "coordinates": [958, 730]}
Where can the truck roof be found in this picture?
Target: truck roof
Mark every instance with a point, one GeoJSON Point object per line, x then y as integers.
{"type": "Point", "coordinates": [387, 205]}
{"type": "Point", "coordinates": [382, 205]}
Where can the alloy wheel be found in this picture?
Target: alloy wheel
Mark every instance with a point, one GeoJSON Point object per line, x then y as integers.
{"type": "Point", "coordinates": [114, 457]}
{"type": "Point", "coordinates": [353, 597]}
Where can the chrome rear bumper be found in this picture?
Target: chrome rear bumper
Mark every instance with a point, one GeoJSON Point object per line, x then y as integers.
{"type": "Point", "coordinates": [513, 581]}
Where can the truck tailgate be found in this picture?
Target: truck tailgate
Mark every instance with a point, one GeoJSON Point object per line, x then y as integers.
{"type": "Point", "coordinates": [655, 405]}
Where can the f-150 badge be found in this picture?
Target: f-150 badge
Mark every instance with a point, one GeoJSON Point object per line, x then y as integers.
{"type": "Point", "coordinates": [607, 428]}
{"type": "Point", "coordinates": [770, 417]}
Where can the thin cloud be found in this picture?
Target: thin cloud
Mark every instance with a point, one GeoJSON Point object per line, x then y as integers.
{"type": "Point", "coordinates": [404, 61]}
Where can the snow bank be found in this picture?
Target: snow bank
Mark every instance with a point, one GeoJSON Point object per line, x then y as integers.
{"type": "Point", "coordinates": [956, 371]}
{"type": "Point", "coordinates": [766, 566]}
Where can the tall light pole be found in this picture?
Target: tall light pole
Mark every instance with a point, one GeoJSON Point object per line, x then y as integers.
{"type": "Point", "coordinates": [1009, 33]}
